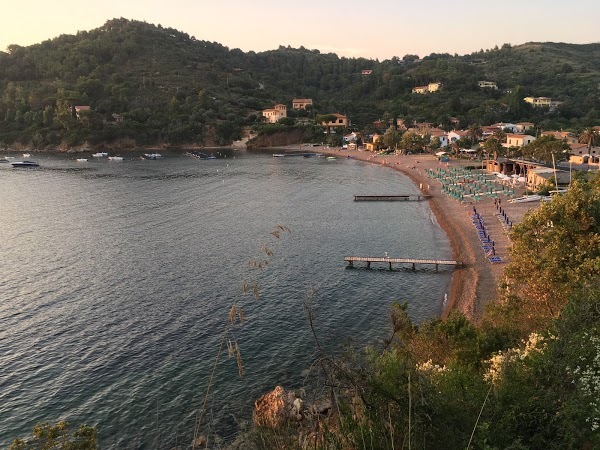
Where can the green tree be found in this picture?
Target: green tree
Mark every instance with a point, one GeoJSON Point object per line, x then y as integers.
{"type": "Point", "coordinates": [392, 138]}
{"type": "Point", "coordinates": [474, 133]}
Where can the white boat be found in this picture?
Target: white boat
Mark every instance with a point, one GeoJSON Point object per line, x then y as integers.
{"type": "Point", "coordinates": [152, 156]}
{"type": "Point", "coordinates": [81, 159]}
{"type": "Point", "coordinates": [26, 155]}
{"type": "Point", "coordinates": [526, 198]}
{"type": "Point", "coordinates": [115, 158]}
{"type": "Point", "coordinates": [100, 155]}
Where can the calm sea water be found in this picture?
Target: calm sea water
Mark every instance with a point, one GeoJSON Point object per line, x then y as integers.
{"type": "Point", "coordinates": [116, 281]}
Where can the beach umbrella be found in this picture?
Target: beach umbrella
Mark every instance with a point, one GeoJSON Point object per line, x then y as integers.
{"type": "Point", "coordinates": [521, 179]}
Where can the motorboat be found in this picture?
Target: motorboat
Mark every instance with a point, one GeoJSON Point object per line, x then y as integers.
{"type": "Point", "coordinates": [81, 159]}
{"type": "Point", "coordinates": [26, 155]}
{"type": "Point", "coordinates": [100, 155]}
{"type": "Point", "coordinates": [152, 156]}
{"type": "Point", "coordinates": [115, 158]}
{"type": "Point", "coordinates": [25, 164]}
{"type": "Point", "coordinates": [526, 199]}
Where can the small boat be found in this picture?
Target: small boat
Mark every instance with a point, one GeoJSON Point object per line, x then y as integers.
{"type": "Point", "coordinates": [18, 164]}
{"type": "Point", "coordinates": [81, 159]}
{"type": "Point", "coordinates": [526, 199]}
{"type": "Point", "coordinates": [152, 156]}
{"type": "Point", "coordinates": [200, 155]}
{"type": "Point", "coordinates": [278, 155]}
{"type": "Point", "coordinates": [100, 155]}
{"type": "Point", "coordinates": [26, 155]}
{"type": "Point", "coordinates": [115, 158]}
{"type": "Point", "coordinates": [331, 157]}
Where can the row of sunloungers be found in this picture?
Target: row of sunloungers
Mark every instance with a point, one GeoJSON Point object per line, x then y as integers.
{"type": "Point", "coordinates": [487, 244]}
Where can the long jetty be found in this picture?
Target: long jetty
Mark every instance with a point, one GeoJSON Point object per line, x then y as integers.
{"type": "Point", "coordinates": [392, 198]}
{"type": "Point", "coordinates": [373, 259]}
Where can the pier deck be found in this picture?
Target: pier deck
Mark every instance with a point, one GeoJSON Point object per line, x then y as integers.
{"type": "Point", "coordinates": [391, 198]}
{"type": "Point", "coordinates": [373, 259]}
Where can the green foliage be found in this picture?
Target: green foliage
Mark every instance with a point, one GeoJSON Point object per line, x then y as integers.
{"type": "Point", "coordinates": [171, 87]}
{"type": "Point", "coordinates": [59, 437]}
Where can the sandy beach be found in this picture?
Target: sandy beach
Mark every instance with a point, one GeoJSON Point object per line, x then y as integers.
{"type": "Point", "coordinates": [475, 283]}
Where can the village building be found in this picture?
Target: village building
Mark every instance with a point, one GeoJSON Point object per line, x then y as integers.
{"type": "Point", "coordinates": [539, 101]}
{"type": "Point", "coordinates": [302, 103]}
{"type": "Point", "coordinates": [537, 177]}
{"type": "Point", "coordinates": [371, 143]}
{"type": "Point", "coordinates": [455, 135]}
{"type": "Point", "coordinates": [488, 84]}
{"type": "Point", "coordinates": [441, 135]}
{"type": "Point", "coordinates": [509, 127]}
{"type": "Point", "coordinates": [431, 87]}
{"type": "Point", "coordinates": [523, 127]}
{"type": "Point", "coordinates": [517, 140]}
{"type": "Point", "coordinates": [490, 130]}
{"type": "Point", "coordinates": [366, 72]}
{"type": "Point", "coordinates": [400, 125]}
{"type": "Point", "coordinates": [339, 121]}
{"type": "Point", "coordinates": [567, 136]}
{"type": "Point", "coordinates": [116, 118]}
{"type": "Point", "coordinates": [272, 115]}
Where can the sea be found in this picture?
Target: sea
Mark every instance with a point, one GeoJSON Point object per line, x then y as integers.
{"type": "Point", "coordinates": [117, 280]}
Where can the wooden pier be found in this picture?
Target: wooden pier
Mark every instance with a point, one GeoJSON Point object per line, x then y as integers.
{"type": "Point", "coordinates": [373, 259]}
{"type": "Point", "coordinates": [391, 198]}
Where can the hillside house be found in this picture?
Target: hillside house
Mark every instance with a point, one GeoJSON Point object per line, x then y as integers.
{"type": "Point", "coordinates": [302, 103]}
{"type": "Point", "coordinates": [116, 118]}
{"type": "Point", "coordinates": [489, 130]}
{"type": "Point", "coordinates": [567, 136]}
{"type": "Point", "coordinates": [517, 140]}
{"type": "Point", "coordinates": [431, 87]}
{"type": "Point", "coordinates": [79, 109]}
{"type": "Point", "coordinates": [272, 115]}
{"type": "Point", "coordinates": [488, 85]}
{"type": "Point", "coordinates": [539, 102]}
{"type": "Point", "coordinates": [366, 72]}
{"type": "Point", "coordinates": [441, 135]}
{"type": "Point", "coordinates": [340, 121]}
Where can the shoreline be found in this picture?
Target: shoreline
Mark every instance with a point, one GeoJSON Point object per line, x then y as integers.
{"type": "Point", "coordinates": [475, 284]}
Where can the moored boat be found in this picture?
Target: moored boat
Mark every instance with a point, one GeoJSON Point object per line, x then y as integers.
{"type": "Point", "coordinates": [115, 158]}
{"type": "Point", "coordinates": [82, 159]}
{"type": "Point", "coordinates": [26, 155]}
{"type": "Point", "coordinates": [100, 155]}
{"type": "Point", "coordinates": [18, 164]}
{"type": "Point", "coordinates": [151, 156]}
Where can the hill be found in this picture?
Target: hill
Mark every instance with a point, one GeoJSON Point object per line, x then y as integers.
{"type": "Point", "coordinates": [171, 88]}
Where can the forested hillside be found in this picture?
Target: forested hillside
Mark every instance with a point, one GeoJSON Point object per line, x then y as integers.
{"type": "Point", "coordinates": [171, 88]}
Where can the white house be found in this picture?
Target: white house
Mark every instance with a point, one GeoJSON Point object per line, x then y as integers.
{"type": "Point", "coordinates": [279, 111]}
{"type": "Point", "coordinates": [488, 84]}
{"type": "Point", "coordinates": [455, 135]}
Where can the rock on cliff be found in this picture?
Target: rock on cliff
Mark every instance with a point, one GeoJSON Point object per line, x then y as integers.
{"type": "Point", "coordinates": [279, 139]}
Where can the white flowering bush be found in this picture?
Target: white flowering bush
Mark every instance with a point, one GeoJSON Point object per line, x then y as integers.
{"type": "Point", "coordinates": [587, 377]}
{"type": "Point", "coordinates": [535, 343]}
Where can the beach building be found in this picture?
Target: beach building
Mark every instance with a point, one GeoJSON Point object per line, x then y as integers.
{"type": "Point", "coordinates": [536, 177]}
{"type": "Point", "coordinates": [302, 103]}
{"type": "Point", "coordinates": [272, 115]}
{"type": "Point", "coordinates": [517, 140]}
{"type": "Point", "coordinates": [371, 143]}
{"type": "Point", "coordinates": [490, 130]}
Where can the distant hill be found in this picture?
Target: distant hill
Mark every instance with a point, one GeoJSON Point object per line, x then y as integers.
{"type": "Point", "coordinates": [171, 88]}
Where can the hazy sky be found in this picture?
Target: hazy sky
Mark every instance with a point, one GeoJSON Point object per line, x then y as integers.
{"type": "Point", "coordinates": [372, 29]}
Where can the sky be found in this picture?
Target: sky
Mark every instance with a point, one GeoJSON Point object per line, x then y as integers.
{"type": "Point", "coordinates": [375, 29]}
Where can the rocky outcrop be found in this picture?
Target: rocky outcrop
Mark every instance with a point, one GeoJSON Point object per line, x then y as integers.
{"type": "Point", "coordinates": [279, 139]}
